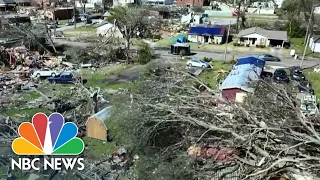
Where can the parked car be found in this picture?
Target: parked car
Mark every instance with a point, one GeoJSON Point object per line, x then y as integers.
{"type": "Point", "coordinates": [269, 57]}
{"type": "Point", "coordinates": [297, 74]}
{"type": "Point", "coordinates": [198, 63]}
{"type": "Point", "coordinates": [305, 86]}
{"type": "Point", "coordinates": [65, 78]}
{"type": "Point", "coordinates": [45, 73]}
{"type": "Point", "coordinates": [280, 75]}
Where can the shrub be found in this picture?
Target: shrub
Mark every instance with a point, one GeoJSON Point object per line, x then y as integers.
{"type": "Point", "coordinates": [262, 46]}
{"type": "Point", "coordinates": [248, 45]}
{"type": "Point", "coordinates": [233, 61]}
{"type": "Point", "coordinates": [144, 53]}
{"type": "Point", "coordinates": [206, 59]}
{"type": "Point", "coordinates": [258, 46]}
{"type": "Point", "coordinates": [241, 44]}
{"type": "Point", "coordinates": [235, 44]}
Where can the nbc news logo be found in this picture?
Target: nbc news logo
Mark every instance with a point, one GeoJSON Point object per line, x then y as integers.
{"type": "Point", "coordinates": [48, 136]}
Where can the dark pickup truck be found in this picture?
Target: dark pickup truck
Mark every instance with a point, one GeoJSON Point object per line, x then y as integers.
{"type": "Point", "coordinates": [65, 78]}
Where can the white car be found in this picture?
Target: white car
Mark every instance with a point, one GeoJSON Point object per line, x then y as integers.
{"type": "Point", "coordinates": [198, 63]}
{"type": "Point", "coordinates": [45, 73]}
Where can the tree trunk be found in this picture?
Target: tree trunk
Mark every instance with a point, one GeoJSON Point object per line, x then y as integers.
{"type": "Point", "coordinates": [84, 7]}
{"type": "Point", "coordinates": [128, 49]}
{"type": "Point", "coordinates": [238, 17]}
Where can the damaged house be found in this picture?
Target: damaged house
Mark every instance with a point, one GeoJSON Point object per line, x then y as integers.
{"type": "Point", "coordinates": [240, 80]}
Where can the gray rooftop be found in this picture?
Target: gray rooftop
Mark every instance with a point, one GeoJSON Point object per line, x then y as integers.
{"type": "Point", "coordinates": [316, 38]}
{"type": "Point", "coordinates": [270, 34]}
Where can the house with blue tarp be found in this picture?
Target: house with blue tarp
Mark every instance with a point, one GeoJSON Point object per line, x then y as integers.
{"type": "Point", "coordinates": [241, 79]}
{"type": "Point", "coordinates": [207, 34]}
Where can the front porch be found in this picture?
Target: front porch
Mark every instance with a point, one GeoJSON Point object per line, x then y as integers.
{"type": "Point", "coordinates": [205, 39]}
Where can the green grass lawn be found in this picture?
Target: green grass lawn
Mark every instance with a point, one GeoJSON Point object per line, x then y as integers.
{"type": "Point", "coordinates": [62, 22]}
{"type": "Point", "coordinates": [87, 28]}
{"type": "Point", "coordinates": [98, 149]}
{"type": "Point", "coordinates": [313, 77]}
{"type": "Point", "coordinates": [219, 70]}
{"type": "Point", "coordinates": [95, 78]}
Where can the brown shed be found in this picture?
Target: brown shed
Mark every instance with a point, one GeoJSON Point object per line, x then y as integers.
{"type": "Point", "coordinates": [95, 125]}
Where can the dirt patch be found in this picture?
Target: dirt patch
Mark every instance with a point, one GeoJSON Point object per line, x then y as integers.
{"type": "Point", "coordinates": [128, 75]}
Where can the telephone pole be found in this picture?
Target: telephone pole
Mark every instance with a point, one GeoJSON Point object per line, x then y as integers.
{"type": "Point", "coordinates": [74, 14]}
{"type": "Point", "coordinates": [227, 40]}
{"type": "Point", "coordinates": [307, 36]}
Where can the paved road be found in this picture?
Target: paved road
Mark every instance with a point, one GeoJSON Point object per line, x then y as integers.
{"type": "Point", "coordinates": [285, 61]}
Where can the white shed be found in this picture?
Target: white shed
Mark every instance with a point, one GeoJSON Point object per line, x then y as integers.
{"type": "Point", "coordinates": [109, 30]}
{"type": "Point", "coordinates": [314, 43]}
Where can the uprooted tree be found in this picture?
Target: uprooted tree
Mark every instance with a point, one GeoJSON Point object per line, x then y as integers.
{"type": "Point", "coordinates": [171, 116]}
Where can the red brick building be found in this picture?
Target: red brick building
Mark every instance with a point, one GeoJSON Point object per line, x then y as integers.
{"type": "Point", "coordinates": [197, 3]}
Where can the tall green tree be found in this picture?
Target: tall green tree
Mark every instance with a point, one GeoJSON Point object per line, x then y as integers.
{"type": "Point", "coordinates": [298, 10]}
{"type": "Point", "coordinates": [129, 21]}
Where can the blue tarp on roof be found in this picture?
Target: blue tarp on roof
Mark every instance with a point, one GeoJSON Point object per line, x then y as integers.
{"type": "Point", "coordinates": [180, 39]}
{"type": "Point", "coordinates": [202, 30]}
{"type": "Point", "coordinates": [103, 114]}
{"type": "Point", "coordinates": [251, 60]}
{"type": "Point", "coordinates": [241, 75]}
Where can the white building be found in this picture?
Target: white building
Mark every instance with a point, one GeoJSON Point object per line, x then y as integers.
{"type": "Point", "coordinates": [278, 3]}
{"type": "Point", "coordinates": [314, 43]}
{"type": "Point", "coordinates": [109, 30]}
{"type": "Point", "coordinates": [122, 2]}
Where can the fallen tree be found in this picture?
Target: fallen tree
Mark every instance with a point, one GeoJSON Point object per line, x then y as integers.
{"type": "Point", "coordinates": [169, 119]}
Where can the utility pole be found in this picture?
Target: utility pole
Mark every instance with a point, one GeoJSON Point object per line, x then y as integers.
{"type": "Point", "coordinates": [74, 14]}
{"type": "Point", "coordinates": [227, 40]}
{"type": "Point", "coordinates": [54, 20]}
{"type": "Point", "coordinates": [309, 23]}
{"type": "Point", "coordinates": [307, 36]}
{"type": "Point", "coordinates": [304, 51]}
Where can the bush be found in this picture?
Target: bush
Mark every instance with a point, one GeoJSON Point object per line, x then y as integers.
{"type": "Point", "coordinates": [258, 46]}
{"type": "Point", "coordinates": [206, 59]}
{"type": "Point", "coordinates": [235, 44]}
{"type": "Point", "coordinates": [241, 44]}
{"type": "Point", "coordinates": [144, 53]}
{"type": "Point", "coordinates": [233, 61]}
{"type": "Point", "coordinates": [155, 36]}
{"type": "Point", "coordinates": [262, 46]}
{"type": "Point", "coordinates": [248, 45]}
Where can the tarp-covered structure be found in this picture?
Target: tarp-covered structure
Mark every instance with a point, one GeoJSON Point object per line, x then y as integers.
{"type": "Point", "coordinates": [239, 80]}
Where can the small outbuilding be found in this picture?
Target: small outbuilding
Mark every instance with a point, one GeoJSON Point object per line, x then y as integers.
{"type": "Point", "coordinates": [239, 81]}
{"type": "Point", "coordinates": [109, 30]}
{"type": "Point", "coordinates": [95, 125]}
{"type": "Point", "coordinates": [314, 43]}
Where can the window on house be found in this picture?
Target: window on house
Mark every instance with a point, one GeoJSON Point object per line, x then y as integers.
{"type": "Point", "coordinates": [193, 36]}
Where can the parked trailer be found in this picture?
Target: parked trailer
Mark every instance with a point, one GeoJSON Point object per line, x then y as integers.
{"type": "Point", "coordinates": [180, 49]}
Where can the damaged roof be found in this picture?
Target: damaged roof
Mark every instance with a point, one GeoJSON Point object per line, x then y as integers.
{"type": "Point", "coordinates": [209, 30]}
{"type": "Point", "coordinates": [247, 69]}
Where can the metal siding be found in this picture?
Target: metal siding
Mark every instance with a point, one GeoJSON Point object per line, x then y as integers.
{"type": "Point", "coordinates": [240, 76]}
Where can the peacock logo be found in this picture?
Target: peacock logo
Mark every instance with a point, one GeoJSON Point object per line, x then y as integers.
{"type": "Point", "coordinates": [48, 136]}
